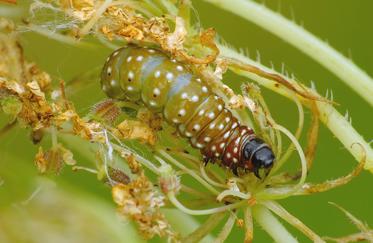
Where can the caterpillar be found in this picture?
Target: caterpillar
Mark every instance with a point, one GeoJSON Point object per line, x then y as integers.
{"type": "Point", "coordinates": [168, 87]}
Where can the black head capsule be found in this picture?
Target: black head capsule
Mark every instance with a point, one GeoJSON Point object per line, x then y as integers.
{"type": "Point", "coordinates": [259, 156]}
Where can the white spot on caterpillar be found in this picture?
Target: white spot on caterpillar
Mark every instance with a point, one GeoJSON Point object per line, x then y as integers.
{"type": "Point", "coordinates": [109, 71]}
{"type": "Point", "coordinates": [211, 115]}
{"type": "Point", "coordinates": [198, 80]}
{"type": "Point", "coordinates": [227, 119]}
{"type": "Point", "coordinates": [201, 112]}
{"type": "Point", "coordinates": [229, 155]}
{"type": "Point", "coordinates": [131, 75]}
{"type": "Point", "coordinates": [179, 68]}
{"type": "Point", "coordinates": [195, 98]}
{"type": "Point", "coordinates": [175, 120]}
{"type": "Point", "coordinates": [173, 60]}
{"type": "Point", "coordinates": [188, 134]}
{"type": "Point", "coordinates": [235, 160]}
{"type": "Point", "coordinates": [151, 51]}
{"type": "Point", "coordinates": [196, 127]}
{"type": "Point", "coordinates": [115, 53]}
{"type": "Point", "coordinates": [129, 88]}
{"type": "Point", "coordinates": [169, 76]}
{"type": "Point", "coordinates": [153, 103]}
{"type": "Point", "coordinates": [199, 145]}
{"type": "Point", "coordinates": [213, 148]}
{"type": "Point", "coordinates": [182, 112]}
{"type": "Point", "coordinates": [222, 145]}
{"type": "Point", "coordinates": [234, 125]}
{"type": "Point", "coordinates": [221, 126]}
{"type": "Point", "coordinates": [129, 58]}
{"type": "Point", "coordinates": [204, 89]}
{"type": "Point", "coordinates": [113, 82]}
{"type": "Point", "coordinates": [226, 135]}
{"type": "Point", "coordinates": [139, 58]}
{"type": "Point", "coordinates": [207, 139]}
{"type": "Point", "coordinates": [212, 125]}
{"type": "Point", "coordinates": [157, 74]}
{"type": "Point", "coordinates": [217, 154]}
{"type": "Point", "coordinates": [156, 91]}
{"type": "Point", "coordinates": [243, 132]}
{"type": "Point", "coordinates": [220, 107]}
{"type": "Point", "coordinates": [184, 95]}
{"type": "Point", "coordinates": [235, 150]}
{"type": "Point", "coordinates": [104, 88]}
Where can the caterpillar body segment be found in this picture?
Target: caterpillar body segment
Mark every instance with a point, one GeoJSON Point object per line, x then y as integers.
{"type": "Point", "coordinates": [186, 101]}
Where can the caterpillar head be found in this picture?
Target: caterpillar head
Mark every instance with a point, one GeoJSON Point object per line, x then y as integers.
{"type": "Point", "coordinates": [259, 156]}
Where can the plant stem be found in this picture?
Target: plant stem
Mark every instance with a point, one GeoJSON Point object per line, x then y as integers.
{"type": "Point", "coordinates": [203, 230]}
{"type": "Point", "coordinates": [294, 34]}
{"type": "Point", "coordinates": [181, 207]}
{"type": "Point", "coordinates": [332, 119]}
{"type": "Point", "coordinates": [224, 233]}
{"type": "Point", "coordinates": [271, 225]}
{"type": "Point", "coordinates": [280, 211]}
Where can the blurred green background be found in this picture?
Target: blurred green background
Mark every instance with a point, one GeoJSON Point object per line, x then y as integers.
{"type": "Point", "coordinates": [346, 25]}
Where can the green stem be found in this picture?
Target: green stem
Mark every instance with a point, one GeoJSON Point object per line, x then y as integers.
{"type": "Point", "coordinates": [176, 203]}
{"type": "Point", "coordinates": [271, 225]}
{"type": "Point", "coordinates": [200, 233]}
{"type": "Point", "coordinates": [280, 211]}
{"type": "Point", "coordinates": [289, 31]}
{"type": "Point", "coordinates": [332, 119]}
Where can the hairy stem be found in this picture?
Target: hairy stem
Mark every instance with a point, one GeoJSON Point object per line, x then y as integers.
{"type": "Point", "coordinates": [294, 34]}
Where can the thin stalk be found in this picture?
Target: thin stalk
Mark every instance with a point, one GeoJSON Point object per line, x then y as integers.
{"type": "Point", "coordinates": [271, 225]}
{"type": "Point", "coordinates": [98, 13]}
{"type": "Point", "coordinates": [280, 211]}
{"type": "Point", "coordinates": [249, 227]}
{"type": "Point", "coordinates": [227, 228]}
{"type": "Point", "coordinates": [297, 36]}
{"type": "Point", "coordinates": [177, 204]}
{"type": "Point", "coordinates": [198, 234]}
{"type": "Point", "coordinates": [332, 119]}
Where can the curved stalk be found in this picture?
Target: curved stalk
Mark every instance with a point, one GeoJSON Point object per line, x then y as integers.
{"type": "Point", "coordinates": [181, 207]}
{"type": "Point", "coordinates": [297, 36]}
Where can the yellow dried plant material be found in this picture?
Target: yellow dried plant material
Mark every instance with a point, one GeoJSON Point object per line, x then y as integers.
{"type": "Point", "coordinates": [131, 129]}
{"type": "Point", "coordinates": [40, 161]}
{"type": "Point", "coordinates": [153, 120]}
{"type": "Point", "coordinates": [80, 9]}
{"type": "Point", "coordinates": [141, 202]}
{"type": "Point", "coordinates": [174, 41]}
{"type": "Point", "coordinates": [42, 78]}
{"type": "Point", "coordinates": [53, 159]}
{"type": "Point", "coordinates": [133, 164]}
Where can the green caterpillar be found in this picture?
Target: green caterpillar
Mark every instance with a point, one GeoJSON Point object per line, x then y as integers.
{"type": "Point", "coordinates": [185, 100]}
